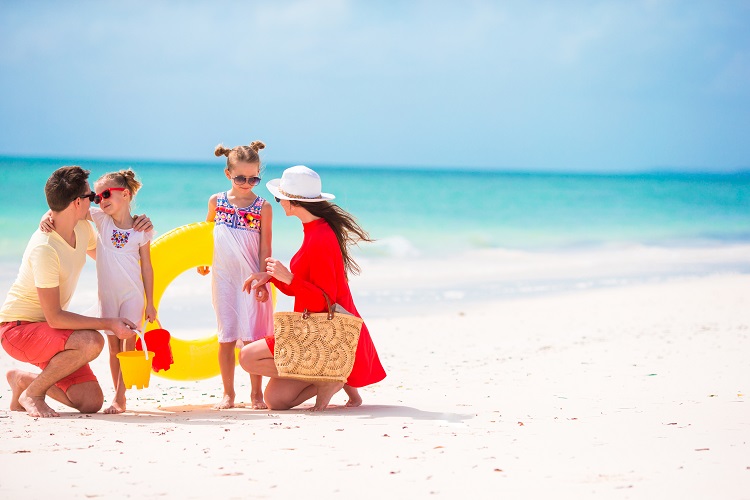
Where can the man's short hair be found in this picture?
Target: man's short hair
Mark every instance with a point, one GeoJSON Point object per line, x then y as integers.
{"type": "Point", "coordinates": [65, 185]}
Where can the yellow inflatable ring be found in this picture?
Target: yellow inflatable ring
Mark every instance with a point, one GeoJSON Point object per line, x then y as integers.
{"type": "Point", "coordinates": [173, 253]}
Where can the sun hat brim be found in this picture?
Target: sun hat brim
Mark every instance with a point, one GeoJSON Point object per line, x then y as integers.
{"type": "Point", "coordinates": [273, 187]}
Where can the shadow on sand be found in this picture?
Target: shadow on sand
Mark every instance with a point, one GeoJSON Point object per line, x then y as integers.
{"type": "Point", "coordinates": [205, 415]}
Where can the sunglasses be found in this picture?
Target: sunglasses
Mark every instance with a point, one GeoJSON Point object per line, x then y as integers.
{"type": "Point", "coordinates": [241, 179]}
{"type": "Point", "coordinates": [105, 194]}
{"type": "Point", "coordinates": [90, 196]}
{"type": "Point", "coordinates": [277, 199]}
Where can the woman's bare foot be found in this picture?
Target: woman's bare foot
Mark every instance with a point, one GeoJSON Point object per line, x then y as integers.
{"type": "Point", "coordinates": [354, 398]}
{"type": "Point", "coordinates": [326, 390]}
{"type": "Point", "coordinates": [35, 406]}
{"type": "Point", "coordinates": [257, 401]}
{"type": "Point", "coordinates": [226, 402]}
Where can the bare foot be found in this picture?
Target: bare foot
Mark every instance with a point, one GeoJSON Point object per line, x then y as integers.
{"type": "Point", "coordinates": [117, 407]}
{"type": "Point", "coordinates": [257, 401]}
{"type": "Point", "coordinates": [354, 398]}
{"type": "Point", "coordinates": [36, 406]}
{"type": "Point", "coordinates": [18, 383]}
{"type": "Point", "coordinates": [326, 390]}
{"type": "Point", "coordinates": [226, 402]}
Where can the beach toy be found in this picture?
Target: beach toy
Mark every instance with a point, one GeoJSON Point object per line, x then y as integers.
{"type": "Point", "coordinates": [136, 368]}
{"type": "Point", "coordinates": [157, 341]}
{"type": "Point", "coordinates": [176, 251]}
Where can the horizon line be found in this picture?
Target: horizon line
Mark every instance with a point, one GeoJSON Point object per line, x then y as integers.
{"type": "Point", "coordinates": [654, 170]}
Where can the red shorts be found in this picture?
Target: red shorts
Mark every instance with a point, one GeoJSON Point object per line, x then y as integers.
{"type": "Point", "coordinates": [271, 342]}
{"type": "Point", "coordinates": [38, 343]}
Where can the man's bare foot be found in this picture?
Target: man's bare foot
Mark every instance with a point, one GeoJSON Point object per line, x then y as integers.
{"type": "Point", "coordinates": [117, 407]}
{"type": "Point", "coordinates": [326, 390]}
{"type": "Point", "coordinates": [36, 406]}
{"type": "Point", "coordinates": [226, 402]}
{"type": "Point", "coordinates": [18, 382]}
{"type": "Point", "coordinates": [354, 398]}
{"type": "Point", "coordinates": [257, 401]}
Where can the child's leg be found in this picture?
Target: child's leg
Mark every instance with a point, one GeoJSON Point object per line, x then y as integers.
{"type": "Point", "coordinates": [256, 392]}
{"type": "Point", "coordinates": [226, 365]}
{"type": "Point", "coordinates": [354, 398]}
{"type": "Point", "coordinates": [118, 403]}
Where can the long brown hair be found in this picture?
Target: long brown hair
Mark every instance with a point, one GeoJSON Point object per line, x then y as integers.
{"type": "Point", "coordinates": [344, 226]}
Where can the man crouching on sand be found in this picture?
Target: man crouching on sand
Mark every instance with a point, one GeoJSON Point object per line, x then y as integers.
{"type": "Point", "coordinates": [34, 325]}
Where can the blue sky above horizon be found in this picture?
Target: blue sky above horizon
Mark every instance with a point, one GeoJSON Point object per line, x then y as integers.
{"type": "Point", "coordinates": [606, 86]}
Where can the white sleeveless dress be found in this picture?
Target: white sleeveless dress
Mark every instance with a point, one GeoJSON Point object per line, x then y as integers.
{"type": "Point", "coordinates": [236, 256]}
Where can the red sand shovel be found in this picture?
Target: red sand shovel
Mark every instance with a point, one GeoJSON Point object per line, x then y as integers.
{"type": "Point", "coordinates": [157, 341]}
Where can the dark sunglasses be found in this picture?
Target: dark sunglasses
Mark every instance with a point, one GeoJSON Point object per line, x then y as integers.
{"type": "Point", "coordinates": [241, 179]}
{"type": "Point", "coordinates": [277, 199]}
{"type": "Point", "coordinates": [90, 196]}
{"type": "Point", "coordinates": [105, 194]}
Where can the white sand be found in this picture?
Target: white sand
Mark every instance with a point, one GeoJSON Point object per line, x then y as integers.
{"type": "Point", "coordinates": [636, 391]}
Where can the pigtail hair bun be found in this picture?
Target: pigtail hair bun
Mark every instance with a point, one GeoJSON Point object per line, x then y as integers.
{"type": "Point", "coordinates": [257, 146]}
{"type": "Point", "coordinates": [221, 150]}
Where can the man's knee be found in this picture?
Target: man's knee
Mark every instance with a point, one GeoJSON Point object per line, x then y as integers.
{"type": "Point", "coordinates": [86, 397]}
{"type": "Point", "coordinates": [89, 341]}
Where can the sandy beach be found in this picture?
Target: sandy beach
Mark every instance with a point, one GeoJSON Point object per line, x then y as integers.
{"type": "Point", "coordinates": [632, 391]}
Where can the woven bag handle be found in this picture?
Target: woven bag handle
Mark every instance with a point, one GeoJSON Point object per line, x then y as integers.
{"type": "Point", "coordinates": [306, 313]}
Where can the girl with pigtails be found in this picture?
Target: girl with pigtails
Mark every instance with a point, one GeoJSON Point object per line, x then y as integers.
{"type": "Point", "coordinates": [242, 241]}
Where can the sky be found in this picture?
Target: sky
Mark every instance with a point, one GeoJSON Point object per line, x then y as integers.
{"type": "Point", "coordinates": [604, 86]}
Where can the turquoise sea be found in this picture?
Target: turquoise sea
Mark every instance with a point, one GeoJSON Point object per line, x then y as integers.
{"type": "Point", "coordinates": [445, 237]}
{"type": "Point", "coordinates": [434, 212]}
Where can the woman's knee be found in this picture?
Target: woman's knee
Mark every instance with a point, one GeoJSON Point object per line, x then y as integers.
{"type": "Point", "coordinates": [276, 402]}
{"type": "Point", "coordinates": [249, 355]}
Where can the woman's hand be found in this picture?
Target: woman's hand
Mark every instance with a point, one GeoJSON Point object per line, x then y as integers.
{"type": "Point", "coordinates": [277, 270]}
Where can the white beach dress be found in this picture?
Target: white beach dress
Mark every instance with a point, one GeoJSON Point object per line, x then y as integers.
{"type": "Point", "coordinates": [236, 256]}
{"type": "Point", "coordinates": [118, 269]}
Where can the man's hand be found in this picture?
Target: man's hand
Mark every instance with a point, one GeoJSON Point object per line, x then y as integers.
{"type": "Point", "coordinates": [122, 328]}
{"type": "Point", "coordinates": [142, 223]}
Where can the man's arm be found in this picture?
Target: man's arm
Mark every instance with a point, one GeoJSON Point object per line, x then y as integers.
{"type": "Point", "coordinates": [57, 317]}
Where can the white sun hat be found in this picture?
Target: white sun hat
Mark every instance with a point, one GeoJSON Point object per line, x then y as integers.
{"type": "Point", "coordinates": [298, 183]}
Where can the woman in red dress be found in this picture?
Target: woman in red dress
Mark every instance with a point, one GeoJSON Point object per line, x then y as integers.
{"type": "Point", "coordinates": [322, 264]}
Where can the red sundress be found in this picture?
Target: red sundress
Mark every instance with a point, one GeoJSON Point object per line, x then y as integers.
{"type": "Point", "coordinates": [318, 265]}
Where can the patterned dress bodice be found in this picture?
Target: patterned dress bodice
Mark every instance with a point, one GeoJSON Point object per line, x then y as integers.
{"type": "Point", "coordinates": [246, 218]}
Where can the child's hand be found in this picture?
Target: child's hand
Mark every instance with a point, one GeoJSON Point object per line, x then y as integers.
{"type": "Point", "coordinates": [150, 313]}
{"type": "Point", "coordinates": [47, 224]}
{"type": "Point", "coordinates": [261, 294]}
{"type": "Point", "coordinates": [255, 282]}
{"type": "Point", "coordinates": [203, 270]}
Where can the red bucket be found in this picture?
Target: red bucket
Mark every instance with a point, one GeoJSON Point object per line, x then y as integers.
{"type": "Point", "coordinates": [158, 342]}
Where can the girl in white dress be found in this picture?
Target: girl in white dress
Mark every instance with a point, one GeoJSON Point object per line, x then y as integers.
{"type": "Point", "coordinates": [123, 266]}
{"type": "Point", "coordinates": [242, 240]}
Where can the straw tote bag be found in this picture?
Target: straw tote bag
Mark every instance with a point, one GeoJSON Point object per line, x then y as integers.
{"type": "Point", "coordinates": [316, 346]}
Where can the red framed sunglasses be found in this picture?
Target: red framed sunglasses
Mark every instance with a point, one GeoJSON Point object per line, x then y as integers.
{"type": "Point", "coordinates": [106, 194]}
